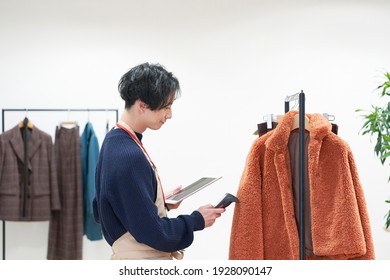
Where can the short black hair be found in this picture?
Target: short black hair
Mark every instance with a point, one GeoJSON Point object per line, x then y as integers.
{"type": "Point", "coordinates": [151, 83]}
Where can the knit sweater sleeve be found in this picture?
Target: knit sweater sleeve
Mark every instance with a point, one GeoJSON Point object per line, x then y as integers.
{"type": "Point", "coordinates": [129, 188]}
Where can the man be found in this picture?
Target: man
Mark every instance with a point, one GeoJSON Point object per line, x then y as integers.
{"type": "Point", "coordinates": [129, 202]}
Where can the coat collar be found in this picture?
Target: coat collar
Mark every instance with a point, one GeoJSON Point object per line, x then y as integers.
{"type": "Point", "coordinates": [278, 141]}
{"type": "Point", "coordinates": [88, 131]}
{"type": "Point", "coordinates": [17, 143]}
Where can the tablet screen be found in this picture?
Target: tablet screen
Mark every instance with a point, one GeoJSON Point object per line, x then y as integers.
{"type": "Point", "coordinates": [191, 189]}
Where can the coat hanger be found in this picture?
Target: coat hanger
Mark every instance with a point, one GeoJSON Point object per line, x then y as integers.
{"type": "Point", "coordinates": [295, 123]}
{"type": "Point", "coordinates": [271, 121]}
{"type": "Point", "coordinates": [26, 122]}
{"type": "Point", "coordinates": [331, 118]}
{"type": "Point", "coordinates": [67, 123]}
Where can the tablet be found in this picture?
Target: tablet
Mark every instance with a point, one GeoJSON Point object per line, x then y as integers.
{"type": "Point", "coordinates": [191, 189]}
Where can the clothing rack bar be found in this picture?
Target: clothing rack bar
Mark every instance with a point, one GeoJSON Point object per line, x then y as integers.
{"type": "Point", "coordinates": [60, 110]}
{"type": "Point", "coordinates": [302, 170]}
{"type": "Point", "coordinates": [44, 110]}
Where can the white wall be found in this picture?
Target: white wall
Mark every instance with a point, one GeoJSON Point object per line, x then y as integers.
{"type": "Point", "coordinates": [236, 61]}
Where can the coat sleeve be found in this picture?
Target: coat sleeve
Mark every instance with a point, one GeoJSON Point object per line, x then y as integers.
{"type": "Point", "coordinates": [361, 203]}
{"type": "Point", "coordinates": [246, 239]}
{"type": "Point", "coordinates": [93, 155]}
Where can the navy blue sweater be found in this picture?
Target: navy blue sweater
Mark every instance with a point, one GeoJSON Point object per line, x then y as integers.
{"type": "Point", "coordinates": [125, 195]}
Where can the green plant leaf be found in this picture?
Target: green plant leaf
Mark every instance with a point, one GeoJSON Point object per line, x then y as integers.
{"type": "Point", "coordinates": [376, 122]}
{"type": "Point", "coordinates": [385, 156]}
{"type": "Point", "coordinates": [387, 220]}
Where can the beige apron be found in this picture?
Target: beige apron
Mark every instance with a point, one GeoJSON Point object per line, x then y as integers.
{"type": "Point", "coordinates": [126, 247]}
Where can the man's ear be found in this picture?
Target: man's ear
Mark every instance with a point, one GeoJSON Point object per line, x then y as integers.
{"type": "Point", "coordinates": [141, 105]}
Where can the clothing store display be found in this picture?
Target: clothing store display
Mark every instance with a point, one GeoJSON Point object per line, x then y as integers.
{"type": "Point", "coordinates": [66, 226]}
{"type": "Point", "coordinates": [89, 158]}
{"type": "Point", "coordinates": [264, 222]}
{"type": "Point", "coordinates": [121, 192]}
{"type": "Point", "coordinates": [40, 197]}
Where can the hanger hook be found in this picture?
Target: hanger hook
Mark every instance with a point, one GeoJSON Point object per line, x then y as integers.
{"type": "Point", "coordinates": [296, 105]}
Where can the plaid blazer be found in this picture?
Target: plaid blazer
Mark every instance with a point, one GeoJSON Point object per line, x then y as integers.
{"type": "Point", "coordinates": [36, 200]}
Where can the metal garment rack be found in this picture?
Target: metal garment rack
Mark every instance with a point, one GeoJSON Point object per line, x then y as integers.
{"type": "Point", "coordinates": [302, 167]}
{"type": "Point", "coordinates": [46, 110]}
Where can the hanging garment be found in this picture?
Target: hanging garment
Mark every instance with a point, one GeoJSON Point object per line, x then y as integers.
{"type": "Point", "coordinates": [89, 158]}
{"type": "Point", "coordinates": [66, 226]}
{"type": "Point", "coordinates": [40, 196]}
{"type": "Point", "coordinates": [264, 224]}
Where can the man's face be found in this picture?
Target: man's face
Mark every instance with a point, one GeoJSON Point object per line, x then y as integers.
{"type": "Point", "coordinates": [155, 119]}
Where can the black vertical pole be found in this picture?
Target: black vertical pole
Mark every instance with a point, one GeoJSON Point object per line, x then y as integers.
{"type": "Point", "coordinates": [301, 175]}
{"type": "Point", "coordinates": [2, 130]}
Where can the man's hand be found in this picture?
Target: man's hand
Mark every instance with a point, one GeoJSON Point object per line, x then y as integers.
{"type": "Point", "coordinates": [171, 193]}
{"type": "Point", "coordinates": [210, 214]}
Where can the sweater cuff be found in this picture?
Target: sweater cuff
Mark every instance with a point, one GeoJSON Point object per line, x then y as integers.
{"type": "Point", "coordinates": [199, 222]}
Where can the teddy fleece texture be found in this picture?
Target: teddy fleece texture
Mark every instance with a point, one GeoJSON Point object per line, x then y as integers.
{"type": "Point", "coordinates": [264, 224]}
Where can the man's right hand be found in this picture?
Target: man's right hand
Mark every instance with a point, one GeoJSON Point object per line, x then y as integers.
{"type": "Point", "coordinates": [210, 214]}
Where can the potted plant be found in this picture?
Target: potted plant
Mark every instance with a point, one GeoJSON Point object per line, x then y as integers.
{"type": "Point", "coordinates": [377, 124]}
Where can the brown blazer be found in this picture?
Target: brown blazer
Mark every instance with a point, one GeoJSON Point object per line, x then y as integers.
{"type": "Point", "coordinates": [42, 195]}
{"type": "Point", "coordinates": [264, 225]}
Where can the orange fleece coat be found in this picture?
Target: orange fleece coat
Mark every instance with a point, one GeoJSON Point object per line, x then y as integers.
{"type": "Point", "coordinates": [264, 225]}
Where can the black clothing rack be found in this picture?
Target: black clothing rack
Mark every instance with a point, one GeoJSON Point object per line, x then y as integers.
{"type": "Point", "coordinates": [25, 135]}
{"type": "Point", "coordinates": [302, 167]}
